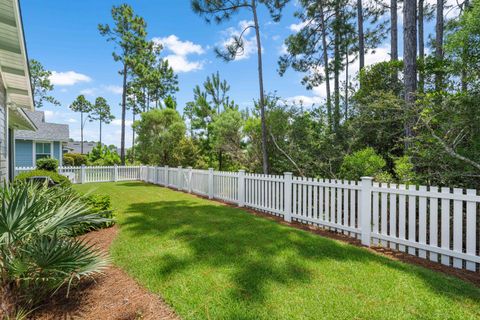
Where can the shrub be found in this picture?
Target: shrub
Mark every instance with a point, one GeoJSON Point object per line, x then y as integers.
{"type": "Point", "coordinates": [38, 255]}
{"type": "Point", "coordinates": [76, 159]}
{"type": "Point", "coordinates": [100, 205]}
{"type": "Point", "coordinates": [404, 170]}
{"type": "Point", "coordinates": [48, 164]}
{"type": "Point", "coordinates": [68, 161]}
{"type": "Point", "coordinates": [103, 156]}
{"type": "Point", "coordinates": [56, 177]}
{"type": "Point", "coordinates": [365, 162]}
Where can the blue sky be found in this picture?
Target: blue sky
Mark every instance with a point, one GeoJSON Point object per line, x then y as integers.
{"type": "Point", "coordinates": [63, 36]}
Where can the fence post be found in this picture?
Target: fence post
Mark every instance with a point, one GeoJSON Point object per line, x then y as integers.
{"type": "Point", "coordinates": [210, 183]}
{"type": "Point", "coordinates": [179, 178]}
{"type": "Point", "coordinates": [366, 210]}
{"type": "Point", "coordinates": [287, 210]}
{"type": "Point", "coordinates": [241, 188]}
{"type": "Point", "coordinates": [115, 173]}
{"type": "Point", "coordinates": [82, 174]}
{"type": "Point", "coordinates": [189, 186]}
{"type": "Point", "coordinates": [166, 176]}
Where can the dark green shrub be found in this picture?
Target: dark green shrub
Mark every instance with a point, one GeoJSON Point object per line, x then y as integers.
{"type": "Point", "coordinates": [68, 161]}
{"type": "Point", "coordinates": [57, 178]}
{"type": "Point", "coordinates": [99, 205]}
{"type": "Point", "coordinates": [365, 162]}
{"type": "Point", "coordinates": [48, 164]}
{"type": "Point", "coordinates": [76, 159]}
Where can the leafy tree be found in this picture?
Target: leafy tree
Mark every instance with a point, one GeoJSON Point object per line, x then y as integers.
{"type": "Point", "coordinates": [102, 155]}
{"type": "Point", "coordinates": [101, 113]}
{"type": "Point", "coordinates": [221, 11]}
{"type": "Point", "coordinates": [227, 136]}
{"type": "Point", "coordinates": [41, 84]}
{"type": "Point", "coordinates": [365, 162]}
{"type": "Point", "coordinates": [159, 133]}
{"type": "Point", "coordinates": [128, 34]}
{"type": "Point", "coordinates": [82, 105]}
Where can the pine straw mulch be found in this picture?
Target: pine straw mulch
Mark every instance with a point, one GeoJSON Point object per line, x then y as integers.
{"type": "Point", "coordinates": [113, 295]}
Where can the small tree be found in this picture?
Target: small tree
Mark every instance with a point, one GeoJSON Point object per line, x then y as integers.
{"type": "Point", "coordinates": [41, 84]}
{"type": "Point", "coordinates": [82, 105]}
{"type": "Point", "coordinates": [101, 113]}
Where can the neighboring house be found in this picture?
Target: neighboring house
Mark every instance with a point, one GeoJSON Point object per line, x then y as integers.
{"type": "Point", "coordinates": [15, 86]}
{"type": "Point", "coordinates": [76, 147]}
{"type": "Point", "coordinates": [46, 142]}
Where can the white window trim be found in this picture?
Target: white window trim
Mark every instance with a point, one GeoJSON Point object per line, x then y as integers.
{"type": "Point", "coordinates": [34, 149]}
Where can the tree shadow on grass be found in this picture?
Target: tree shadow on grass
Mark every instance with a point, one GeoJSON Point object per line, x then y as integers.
{"type": "Point", "coordinates": [258, 250]}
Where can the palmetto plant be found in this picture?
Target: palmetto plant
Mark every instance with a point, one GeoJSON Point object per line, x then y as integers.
{"type": "Point", "coordinates": [37, 253]}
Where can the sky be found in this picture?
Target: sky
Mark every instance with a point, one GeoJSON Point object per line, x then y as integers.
{"type": "Point", "coordinates": [63, 36]}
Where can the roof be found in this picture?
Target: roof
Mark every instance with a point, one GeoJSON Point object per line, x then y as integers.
{"type": "Point", "coordinates": [76, 146]}
{"type": "Point", "coordinates": [13, 56]}
{"type": "Point", "coordinates": [46, 131]}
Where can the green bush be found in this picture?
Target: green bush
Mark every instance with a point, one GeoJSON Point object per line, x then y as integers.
{"type": "Point", "coordinates": [103, 156]}
{"type": "Point", "coordinates": [48, 164]}
{"type": "Point", "coordinates": [365, 162]}
{"type": "Point", "coordinates": [68, 161]}
{"type": "Point", "coordinates": [38, 254]}
{"type": "Point", "coordinates": [57, 178]}
{"type": "Point", "coordinates": [76, 159]}
{"type": "Point", "coordinates": [404, 170]}
{"type": "Point", "coordinates": [100, 205]}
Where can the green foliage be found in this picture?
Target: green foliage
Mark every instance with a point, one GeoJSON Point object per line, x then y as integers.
{"type": "Point", "coordinates": [74, 159]}
{"type": "Point", "coordinates": [56, 177]}
{"type": "Point", "coordinates": [100, 205]}
{"type": "Point", "coordinates": [101, 155]}
{"type": "Point", "coordinates": [48, 164]}
{"type": "Point", "coordinates": [41, 84]}
{"type": "Point", "coordinates": [37, 253]}
{"type": "Point", "coordinates": [362, 163]}
{"type": "Point", "coordinates": [404, 170]}
{"type": "Point", "coordinates": [159, 133]}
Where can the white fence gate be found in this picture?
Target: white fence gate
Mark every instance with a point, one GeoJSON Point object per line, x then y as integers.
{"type": "Point", "coordinates": [439, 224]}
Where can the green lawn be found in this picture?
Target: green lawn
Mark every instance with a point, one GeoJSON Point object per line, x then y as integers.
{"type": "Point", "coordinates": [210, 261]}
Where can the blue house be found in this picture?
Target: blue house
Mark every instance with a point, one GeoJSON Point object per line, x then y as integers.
{"type": "Point", "coordinates": [46, 142]}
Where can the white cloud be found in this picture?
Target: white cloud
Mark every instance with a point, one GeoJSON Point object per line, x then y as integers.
{"type": "Point", "coordinates": [68, 78]}
{"type": "Point", "coordinates": [89, 91]}
{"type": "Point", "coordinates": [118, 122]}
{"type": "Point", "coordinates": [179, 51]}
{"type": "Point", "coordinates": [295, 27]}
{"type": "Point", "coordinates": [114, 89]}
{"type": "Point", "coordinates": [305, 100]}
{"type": "Point", "coordinates": [249, 42]}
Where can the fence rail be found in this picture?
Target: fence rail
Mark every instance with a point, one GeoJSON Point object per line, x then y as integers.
{"type": "Point", "coordinates": [438, 224]}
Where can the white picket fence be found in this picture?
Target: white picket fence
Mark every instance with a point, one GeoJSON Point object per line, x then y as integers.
{"type": "Point", "coordinates": [88, 174]}
{"type": "Point", "coordinates": [439, 224]}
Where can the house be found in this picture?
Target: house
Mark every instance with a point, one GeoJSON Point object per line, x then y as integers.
{"type": "Point", "coordinates": [15, 87]}
{"type": "Point", "coordinates": [46, 142]}
{"type": "Point", "coordinates": [76, 147]}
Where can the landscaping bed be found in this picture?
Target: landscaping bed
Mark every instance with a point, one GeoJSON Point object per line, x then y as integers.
{"type": "Point", "coordinates": [113, 295]}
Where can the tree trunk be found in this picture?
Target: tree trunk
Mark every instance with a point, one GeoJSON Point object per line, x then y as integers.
{"type": "Point", "coordinates": [81, 132]}
{"type": "Point", "coordinates": [410, 61]}
{"type": "Point", "coordinates": [346, 82]}
{"type": "Point", "coordinates": [336, 68]}
{"type": "Point", "coordinates": [326, 66]}
{"type": "Point", "coordinates": [393, 30]}
{"type": "Point", "coordinates": [262, 93]}
{"type": "Point", "coordinates": [361, 37]}
{"type": "Point", "coordinates": [421, 46]}
{"type": "Point", "coordinates": [439, 42]}
{"type": "Point", "coordinates": [133, 137]}
{"type": "Point", "coordinates": [124, 108]}
{"type": "Point", "coordinates": [100, 132]}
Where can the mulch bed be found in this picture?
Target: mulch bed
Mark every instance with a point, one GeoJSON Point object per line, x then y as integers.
{"type": "Point", "coordinates": [113, 295]}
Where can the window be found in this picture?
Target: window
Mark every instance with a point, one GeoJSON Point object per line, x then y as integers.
{"type": "Point", "coordinates": [43, 150]}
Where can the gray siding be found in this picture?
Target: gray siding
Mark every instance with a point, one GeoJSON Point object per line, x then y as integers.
{"type": "Point", "coordinates": [3, 134]}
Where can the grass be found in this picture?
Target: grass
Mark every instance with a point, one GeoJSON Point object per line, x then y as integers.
{"type": "Point", "coordinates": [209, 261]}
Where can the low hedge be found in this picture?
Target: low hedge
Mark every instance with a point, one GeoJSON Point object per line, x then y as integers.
{"type": "Point", "coordinates": [57, 178]}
